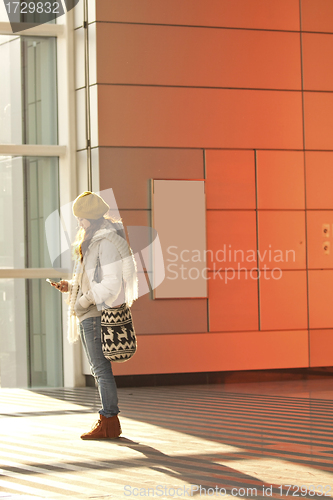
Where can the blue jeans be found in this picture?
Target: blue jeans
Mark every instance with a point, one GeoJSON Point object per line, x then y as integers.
{"type": "Point", "coordinates": [90, 332]}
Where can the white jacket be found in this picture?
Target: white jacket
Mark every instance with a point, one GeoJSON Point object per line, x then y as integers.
{"type": "Point", "coordinates": [108, 284]}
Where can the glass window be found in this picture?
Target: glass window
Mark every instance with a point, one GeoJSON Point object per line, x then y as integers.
{"type": "Point", "coordinates": [45, 334]}
{"type": "Point", "coordinates": [29, 194]}
{"type": "Point", "coordinates": [28, 90]}
{"type": "Point", "coordinates": [30, 310]}
{"type": "Point", "coordinates": [42, 199]}
{"type": "Point", "coordinates": [30, 357]}
{"type": "Point", "coordinates": [12, 230]}
{"type": "Point", "coordinates": [13, 339]}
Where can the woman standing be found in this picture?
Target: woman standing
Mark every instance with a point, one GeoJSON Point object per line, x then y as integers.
{"type": "Point", "coordinates": [103, 262]}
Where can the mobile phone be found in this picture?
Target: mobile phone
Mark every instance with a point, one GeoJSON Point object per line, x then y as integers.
{"type": "Point", "coordinates": [51, 281]}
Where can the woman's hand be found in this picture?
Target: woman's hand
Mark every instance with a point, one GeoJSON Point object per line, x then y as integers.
{"type": "Point", "coordinates": [62, 286]}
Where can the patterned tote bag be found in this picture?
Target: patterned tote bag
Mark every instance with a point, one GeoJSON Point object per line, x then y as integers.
{"type": "Point", "coordinates": [117, 333]}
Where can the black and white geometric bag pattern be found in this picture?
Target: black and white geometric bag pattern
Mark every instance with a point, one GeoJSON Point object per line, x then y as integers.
{"type": "Point", "coordinates": [117, 333]}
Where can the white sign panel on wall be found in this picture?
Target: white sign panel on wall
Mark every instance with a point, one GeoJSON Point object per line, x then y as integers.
{"type": "Point", "coordinates": [179, 217]}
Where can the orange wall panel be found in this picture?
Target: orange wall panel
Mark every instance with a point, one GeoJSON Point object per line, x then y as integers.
{"type": "Point", "coordinates": [321, 347]}
{"type": "Point", "coordinates": [227, 232]}
{"type": "Point", "coordinates": [280, 179]}
{"type": "Point", "coordinates": [321, 298]}
{"type": "Point", "coordinates": [192, 117]}
{"type": "Point", "coordinates": [261, 14]}
{"type": "Point", "coordinates": [283, 301]}
{"type": "Point", "coordinates": [169, 315]}
{"type": "Point", "coordinates": [317, 257]}
{"type": "Point", "coordinates": [135, 217]}
{"type": "Point", "coordinates": [317, 15]}
{"type": "Point", "coordinates": [210, 352]}
{"type": "Point", "coordinates": [230, 179]}
{"type": "Point", "coordinates": [282, 241]}
{"type": "Point", "coordinates": [318, 117]}
{"type": "Point", "coordinates": [197, 57]}
{"type": "Point", "coordinates": [233, 301]}
{"type": "Point", "coordinates": [128, 171]}
{"type": "Point", "coordinates": [319, 179]}
{"type": "Point", "coordinates": [317, 52]}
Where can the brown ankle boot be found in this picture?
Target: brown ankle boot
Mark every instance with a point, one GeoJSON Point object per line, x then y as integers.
{"type": "Point", "coordinates": [105, 428]}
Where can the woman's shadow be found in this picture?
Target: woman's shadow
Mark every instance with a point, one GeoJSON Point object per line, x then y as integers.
{"type": "Point", "coordinates": [198, 472]}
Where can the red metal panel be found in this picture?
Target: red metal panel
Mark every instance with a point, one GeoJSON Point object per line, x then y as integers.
{"type": "Point", "coordinates": [230, 179]}
{"type": "Point", "coordinates": [210, 352]}
{"type": "Point", "coordinates": [317, 56]}
{"type": "Point", "coordinates": [317, 15]}
{"type": "Point", "coordinates": [320, 238]}
{"type": "Point", "coordinates": [128, 171]}
{"type": "Point", "coordinates": [169, 315]}
{"type": "Point", "coordinates": [283, 300]}
{"type": "Point", "coordinates": [282, 239]}
{"type": "Point", "coordinates": [318, 117]}
{"type": "Point", "coordinates": [191, 117]}
{"type": "Point", "coordinates": [233, 301]}
{"type": "Point", "coordinates": [321, 298]}
{"type": "Point", "coordinates": [261, 14]}
{"type": "Point", "coordinates": [319, 179]}
{"type": "Point", "coordinates": [231, 239]}
{"type": "Point", "coordinates": [280, 179]}
{"type": "Point", "coordinates": [321, 347]}
{"type": "Point", "coordinates": [197, 57]}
